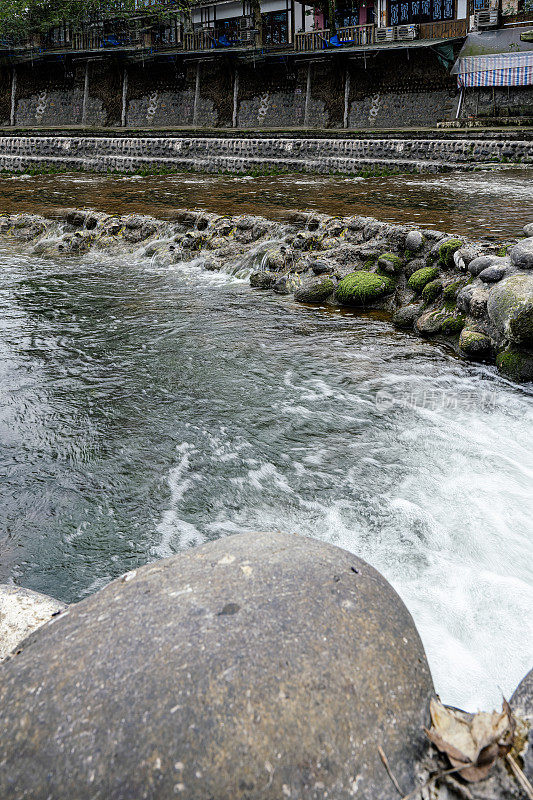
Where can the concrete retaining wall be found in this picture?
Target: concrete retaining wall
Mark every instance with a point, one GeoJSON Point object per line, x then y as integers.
{"type": "Point", "coordinates": [396, 88]}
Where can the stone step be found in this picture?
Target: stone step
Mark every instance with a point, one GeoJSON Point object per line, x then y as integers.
{"type": "Point", "coordinates": [231, 164]}
{"type": "Point", "coordinates": [464, 150]}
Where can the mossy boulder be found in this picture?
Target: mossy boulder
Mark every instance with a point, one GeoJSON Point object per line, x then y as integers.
{"type": "Point", "coordinates": [363, 288]}
{"type": "Point", "coordinates": [450, 292]}
{"type": "Point", "coordinates": [510, 308]}
{"type": "Point", "coordinates": [431, 291]}
{"type": "Point", "coordinates": [388, 262]}
{"type": "Point", "coordinates": [314, 290]}
{"type": "Point", "coordinates": [447, 251]}
{"type": "Point", "coordinates": [452, 324]}
{"type": "Point", "coordinates": [440, 321]}
{"type": "Point", "coordinates": [405, 317]}
{"type": "Point", "coordinates": [260, 666]}
{"type": "Point", "coordinates": [474, 343]}
{"type": "Point", "coordinates": [421, 277]}
{"type": "Point", "coordinates": [515, 364]}
{"type": "Point", "coordinates": [429, 324]}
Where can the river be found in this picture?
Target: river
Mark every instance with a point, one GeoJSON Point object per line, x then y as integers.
{"type": "Point", "coordinates": [148, 408]}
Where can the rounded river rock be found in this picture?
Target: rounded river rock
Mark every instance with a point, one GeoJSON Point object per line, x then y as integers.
{"type": "Point", "coordinates": [259, 666]}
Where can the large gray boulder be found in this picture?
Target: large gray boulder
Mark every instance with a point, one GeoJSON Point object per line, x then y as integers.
{"type": "Point", "coordinates": [510, 308]}
{"type": "Point", "coordinates": [21, 612]}
{"type": "Point", "coordinates": [522, 254]}
{"type": "Point", "coordinates": [260, 666]}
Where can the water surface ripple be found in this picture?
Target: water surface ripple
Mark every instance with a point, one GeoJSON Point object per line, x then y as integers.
{"type": "Point", "coordinates": [149, 408]}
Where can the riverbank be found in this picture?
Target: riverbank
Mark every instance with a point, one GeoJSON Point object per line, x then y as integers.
{"type": "Point", "coordinates": [475, 296]}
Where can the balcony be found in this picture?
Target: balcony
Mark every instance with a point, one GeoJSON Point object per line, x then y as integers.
{"type": "Point", "coordinates": [355, 36]}
{"type": "Point", "coordinates": [220, 39]}
{"type": "Point", "coordinates": [368, 35]}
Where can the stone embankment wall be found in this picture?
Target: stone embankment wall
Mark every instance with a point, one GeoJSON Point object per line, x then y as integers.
{"type": "Point", "coordinates": [237, 155]}
{"type": "Point", "coordinates": [396, 88]}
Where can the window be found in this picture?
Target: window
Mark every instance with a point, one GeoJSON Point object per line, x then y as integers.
{"type": "Point", "coordinates": [403, 12]}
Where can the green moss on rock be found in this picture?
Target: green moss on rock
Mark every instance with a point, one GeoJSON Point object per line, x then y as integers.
{"type": "Point", "coordinates": [421, 277]}
{"type": "Point", "coordinates": [474, 343]}
{"type": "Point", "coordinates": [390, 263]}
{"type": "Point", "coordinates": [314, 290]}
{"type": "Point", "coordinates": [447, 250]}
{"type": "Point", "coordinates": [363, 288]}
{"type": "Point", "coordinates": [453, 324]}
{"type": "Point", "coordinates": [431, 291]}
{"type": "Point", "coordinates": [515, 364]}
{"type": "Point", "coordinates": [450, 292]}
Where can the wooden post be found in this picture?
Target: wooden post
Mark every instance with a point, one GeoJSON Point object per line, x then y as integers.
{"type": "Point", "coordinates": [13, 97]}
{"type": "Point", "coordinates": [307, 94]}
{"type": "Point", "coordinates": [124, 96]}
{"type": "Point", "coordinates": [196, 96]}
{"type": "Point", "coordinates": [235, 97]}
{"type": "Point", "coordinates": [85, 95]}
{"type": "Point", "coordinates": [346, 97]}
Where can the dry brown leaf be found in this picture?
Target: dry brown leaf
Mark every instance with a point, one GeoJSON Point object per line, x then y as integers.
{"type": "Point", "coordinates": [472, 742]}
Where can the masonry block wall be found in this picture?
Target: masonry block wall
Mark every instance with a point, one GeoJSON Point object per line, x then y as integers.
{"type": "Point", "coordinates": [394, 88]}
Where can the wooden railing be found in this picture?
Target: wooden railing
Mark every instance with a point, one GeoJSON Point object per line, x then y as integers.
{"type": "Point", "coordinates": [355, 35]}
{"type": "Point", "coordinates": [209, 38]}
{"type": "Point", "coordinates": [447, 29]}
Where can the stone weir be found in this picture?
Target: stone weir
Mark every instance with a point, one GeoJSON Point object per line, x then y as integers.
{"type": "Point", "coordinates": [475, 296]}
{"type": "Point", "coordinates": [349, 156]}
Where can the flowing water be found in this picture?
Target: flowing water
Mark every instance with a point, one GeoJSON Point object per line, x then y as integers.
{"type": "Point", "coordinates": [148, 408]}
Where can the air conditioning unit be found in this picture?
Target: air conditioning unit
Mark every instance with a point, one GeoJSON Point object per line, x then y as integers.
{"type": "Point", "coordinates": [384, 34]}
{"type": "Point", "coordinates": [486, 19]}
{"type": "Point", "coordinates": [406, 32]}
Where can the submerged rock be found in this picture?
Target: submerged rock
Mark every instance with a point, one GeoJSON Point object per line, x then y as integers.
{"type": "Point", "coordinates": [516, 364]}
{"type": "Point", "coordinates": [21, 612]}
{"type": "Point", "coordinates": [405, 317]}
{"type": "Point", "coordinates": [263, 280]}
{"type": "Point", "coordinates": [474, 343]}
{"type": "Point", "coordinates": [314, 290]}
{"type": "Point", "coordinates": [260, 666]}
{"type": "Point", "coordinates": [510, 308]}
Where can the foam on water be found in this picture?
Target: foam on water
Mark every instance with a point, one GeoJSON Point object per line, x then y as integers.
{"type": "Point", "coordinates": [151, 406]}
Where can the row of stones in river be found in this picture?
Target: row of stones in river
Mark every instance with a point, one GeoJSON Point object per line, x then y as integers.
{"type": "Point", "coordinates": [476, 295]}
{"type": "Point", "coordinates": [239, 154]}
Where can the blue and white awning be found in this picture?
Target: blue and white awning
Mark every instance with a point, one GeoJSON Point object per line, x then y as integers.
{"type": "Point", "coordinates": [504, 69]}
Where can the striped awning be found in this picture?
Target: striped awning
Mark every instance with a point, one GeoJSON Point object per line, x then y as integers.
{"type": "Point", "coordinates": [504, 69]}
